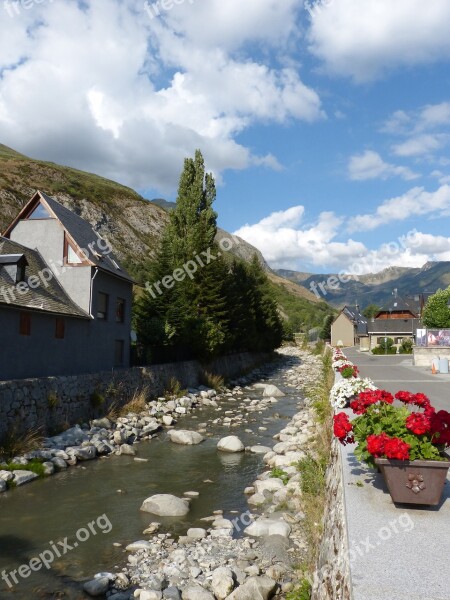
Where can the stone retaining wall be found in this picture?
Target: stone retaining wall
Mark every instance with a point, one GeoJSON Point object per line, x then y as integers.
{"type": "Point", "coordinates": [332, 578]}
{"type": "Point", "coordinates": [57, 402]}
{"type": "Point", "coordinates": [424, 356]}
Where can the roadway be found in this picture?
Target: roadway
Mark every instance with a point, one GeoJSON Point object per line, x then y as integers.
{"type": "Point", "coordinates": [396, 372]}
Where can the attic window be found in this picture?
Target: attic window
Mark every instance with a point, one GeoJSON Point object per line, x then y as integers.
{"type": "Point", "coordinates": [40, 212]}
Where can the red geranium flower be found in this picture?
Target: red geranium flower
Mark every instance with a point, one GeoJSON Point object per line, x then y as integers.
{"type": "Point", "coordinates": [418, 423]}
{"type": "Point", "coordinates": [405, 397]}
{"type": "Point", "coordinates": [375, 444]}
{"type": "Point", "coordinates": [396, 448]}
{"type": "Point", "coordinates": [440, 428]}
{"type": "Point", "coordinates": [342, 427]}
{"type": "Point", "coordinates": [365, 399]}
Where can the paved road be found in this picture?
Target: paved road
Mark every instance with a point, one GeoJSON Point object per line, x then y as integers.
{"type": "Point", "coordinates": [394, 373]}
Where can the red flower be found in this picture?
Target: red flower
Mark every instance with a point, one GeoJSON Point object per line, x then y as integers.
{"type": "Point", "coordinates": [440, 428]}
{"type": "Point", "coordinates": [365, 399]}
{"type": "Point", "coordinates": [396, 448]}
{"type": "Point", "coordinates": [375, 444]}
{"type": "Point", "coordinates": [418, 423]}
{"type": "Point", "coordinates": [342, 427]}
{"type": "Point", "coordinates": [405, 397]}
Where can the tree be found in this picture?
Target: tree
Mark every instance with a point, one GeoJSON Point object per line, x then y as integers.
{"type": "Point", "coordinates": [325, 333]}
{"type": "Point", "coordinates": [436, 313]}
{"type": "Point", "coordinates": [371, 310]}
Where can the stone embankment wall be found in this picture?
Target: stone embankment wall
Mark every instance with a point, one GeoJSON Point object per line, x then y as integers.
{"type": "Point", "coordinates": [57, 402]}
{"type": "Point", "coordinates": [332, 578]}
{"type": "Point", "coordinates": [423, 357]}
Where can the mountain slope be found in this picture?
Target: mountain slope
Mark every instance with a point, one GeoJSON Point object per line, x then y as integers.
{"type": "Point", "coordinates": [377, 288]}
{"type": "Point", "coordinates": [132, 224]}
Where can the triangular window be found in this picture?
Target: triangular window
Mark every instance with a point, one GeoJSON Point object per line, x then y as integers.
{"type": "Point", "coordinates": [40, 212]}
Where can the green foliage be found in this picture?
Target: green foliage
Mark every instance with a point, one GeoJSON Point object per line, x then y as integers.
{"type": "Point", "coordinates": [302, 314]}
{"type": "Point", "coordinates": [407, 346]}
{"type": "Point", "coordinates": [15, 442]}
{"type": "Point", "coordinates": [325, 333]}
{"type": "Point", "coordinates": [174, 389]}
{"type": "Point", "coordinates": [387, 418]}
{"type": "Point", "coordinates": [436, 313]}
{"type": "Point", "coordinates": [384, 350]}
{"type": "Point", "coordinates": [223, 306]}
{"type": "Point", "coordinates": [277, 473]}
{"type": "Point", "coordinates": [35, 466]}
{"type": "Point", "coordinates": [302, 592]}
{"type": "Point", "coordinates": [319, 347]}
{"type": "Point", "coordinates": [52, 400]}
{"type": "Point", "coordinates": [371, 310]}
{"type": "Point", "coordinates": [215, 382]}
{"type": "Point", "coordinates": [313, 469]}
{"type": "Point", "coordinates": [97, 399]}
{"type": "Point", "coordinates": [386, 343]}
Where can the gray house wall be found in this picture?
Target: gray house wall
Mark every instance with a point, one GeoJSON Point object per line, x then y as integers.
{"type": "Point", "coordinates": [47, 235]}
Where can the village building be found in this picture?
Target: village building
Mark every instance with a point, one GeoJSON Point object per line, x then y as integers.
{"type": "Point", "coordinates": [65, 300]}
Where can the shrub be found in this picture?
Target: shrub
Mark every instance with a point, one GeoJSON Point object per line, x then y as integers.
{"type": "Point", "coordinates": [216, 382]}
{"type": "Point", "coordinates": [279, 474]}
{"type": "Point", "coordinates": [381, 350]}
{"type": "Point", "coordinates": [136, 405]}
{"type": "Point", "coordinates": [15, 443]}
{"type": "Point", "coordinates": [174, 390]}
{"type": "Point", "coordinates": [302, 592]}
{"type": "Point", "coordinates": [97, 399]}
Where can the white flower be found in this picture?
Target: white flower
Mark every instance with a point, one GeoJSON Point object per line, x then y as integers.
{"type": "Point", "coordinates": [344, 389]}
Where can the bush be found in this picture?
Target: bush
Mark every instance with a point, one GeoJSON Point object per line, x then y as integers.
{"type": "Point", "coordinates": [381, 350]}
{"type": "Point", "coordinates": [303, 592]}
{"type": "Point", "coordinates": [279, 474]}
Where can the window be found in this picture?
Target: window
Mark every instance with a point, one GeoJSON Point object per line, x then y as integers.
{"type": "Point", "coordinates": [119, 353]}
{"type": "Point", "coordinates": [25, 324]}
{"type": "Point", "coordinates": [102, 306]}
{"type": "Point", "coordinates": [71, 256]}
{"type": "Point", "coordinates": [120, 310]}
{"type": "Point", "coordinates": [60, 328]}
{"type": "Point", "coordinates": [40, 212]}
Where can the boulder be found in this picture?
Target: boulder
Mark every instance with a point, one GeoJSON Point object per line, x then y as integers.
{"type": "Point", "coordinates": [222, 583]}
{"type": "Point", "coordinates": [196, 592]}
{"type": "Point", "coordinates": [166, 505]}
{"type": "Point", "coordinates": [254, 588]}
{"type": "Point", "coordinates": [6, 475]}
{"type": "Point", "coordinates": [102, 423]}
{"type": "Point", "coordinates": [140, 545]}
{"type": "Point", "coordinates": [230, 443]}
{"type": "Point", "coordinates": [272, 391]}
{"type": "Point", "coordinates": [196, 533]}
{"type": "Point", "coordinates": [265, 527]}
{"type": "Point", "coordinates": [21, 477]}
{"type": "Point", "coordinates": [184, 437]}
{"type": "Point", "coordinates": [268, 485]}
{"type": "Point", "coordinates": [3, 486]}
{"type": "Point", "coordinates": [82, 453]}
{"type": "Point", "coordinates": [97, 587]}
{"type": "Point", "coordinates": [259, 449]}
{"type": "Point", "coordinates": [127, 450]}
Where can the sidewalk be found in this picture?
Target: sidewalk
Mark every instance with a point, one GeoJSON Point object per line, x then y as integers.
{"type": "Point", "coordinates": [396, 553]}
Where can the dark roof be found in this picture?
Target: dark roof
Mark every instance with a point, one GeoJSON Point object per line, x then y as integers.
{"type": "Point", "coordinates": [390, 326]}
{"type": "Point", "coordinates": [11, 259]}
{"type": "Point", "coordinates": [399, 304]}
{"type": "Point", "coordinates": [51, 299]}
{"type": "Point", "coordinates": [85, 236]}
{"type": "Point", "coordinates": [359, 321]}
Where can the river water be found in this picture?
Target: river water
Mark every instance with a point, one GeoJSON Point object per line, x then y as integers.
{"type": "Point", "coordinates": [49, 510]}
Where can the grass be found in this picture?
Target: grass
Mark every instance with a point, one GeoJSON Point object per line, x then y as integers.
{"type": "Point", "coordinates": [278, 473]}
{"type": "Point", "coordinates": [175, 390]}
{"type": "Point", "coordinates": [313, 469]}
{"type": "Point", "coordinates": [302, 592]}
{"type": "Point", "coordinates": [137, 403]}
{"type": "Point", "coordinates": [35, 466]}
{"type": "Point", "coordinates": [16, 444]}
{"type": "Point", "coordinates": [215, 382]}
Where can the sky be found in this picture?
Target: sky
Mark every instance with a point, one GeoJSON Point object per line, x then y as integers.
{"type": "Point", "coordinates": [325, 122]}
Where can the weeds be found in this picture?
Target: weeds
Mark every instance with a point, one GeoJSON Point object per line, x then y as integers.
{"type": "Point", "coordinates": [174, 390]}
{"type": "Point", "coordinates": [97, 399]}
{"type": "Point", "coordinates": [16, 444]}
{"type": "Point", "coordinates": [302, 592]}
{"type": "Point", "coordinates": [278, 473]}
{"type": "Point", "coordinates": [216, 382]}
{"type": "Point", "coordinates": [137, 403]}
{"type": "Point", "coordinates": [52, 400]}
{"type": "Point", "coordinates": [35, 466]}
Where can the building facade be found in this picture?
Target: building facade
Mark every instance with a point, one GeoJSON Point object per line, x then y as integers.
{"type": "Point", "coordinates": [65, 301]}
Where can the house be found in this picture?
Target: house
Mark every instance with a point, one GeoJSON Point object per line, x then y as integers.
{"type": "Point", "coordinates": [65, 301]}
{"type": "Point", "coordinates": [349, 327]}
{"type": "Point", "coordinates": [398, 319]}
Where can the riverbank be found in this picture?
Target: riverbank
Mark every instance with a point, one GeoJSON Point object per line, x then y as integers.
{"type": "Point", "coordinates": [253, 554]}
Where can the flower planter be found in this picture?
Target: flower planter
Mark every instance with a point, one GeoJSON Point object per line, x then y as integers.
{"type": "Point", "coordinates": [416, 481]}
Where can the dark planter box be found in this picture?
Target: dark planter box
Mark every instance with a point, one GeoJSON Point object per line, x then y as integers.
{"type": "Point", "coordinates": [416, 481]}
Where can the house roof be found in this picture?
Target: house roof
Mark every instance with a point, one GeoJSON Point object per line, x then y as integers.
{"type": "Point", "coordinates": [392, 326]}
{"type": "Point", "coordinates": [95, 248]}
{"type": "Point", "coordinates": [50, 298]}
{"type": "Point", "coordinates": [399, 304]}
{"type": "Point", "coordinates": [85, 237]}
{"type": "Point", "coordinates": [359, 320]}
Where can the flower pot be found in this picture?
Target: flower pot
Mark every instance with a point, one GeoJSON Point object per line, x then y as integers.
{"type": "Point", "coordinates": [416, 481]}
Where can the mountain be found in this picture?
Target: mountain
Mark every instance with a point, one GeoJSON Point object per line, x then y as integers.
{"type": "Point", "coordinates": [132, 224]}
{"type": "Point", "coordinates": [376, 288]}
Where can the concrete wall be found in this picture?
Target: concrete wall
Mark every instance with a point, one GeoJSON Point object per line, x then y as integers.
{"type": "Point", "coordinates": [342, 330]}
{"type": "Point", "coordinates": [53, 402]}
{"type": "Point", "coordinates": [424, 356]}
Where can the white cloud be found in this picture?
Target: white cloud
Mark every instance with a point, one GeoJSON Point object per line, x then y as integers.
{"type": "Point", "coordinates": [416, 202]}
{"type": "Point", "coordinates": [421, 144]}
{"type": "Point", "coordinates": [137, 95]}
{"type": "Point", "coordinates": [370, 165]}
{"type": "Point", "coordinates": [362, 40]}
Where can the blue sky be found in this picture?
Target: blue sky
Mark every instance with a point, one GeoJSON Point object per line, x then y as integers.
{"type": "Point", "coordinates": [326, 123]}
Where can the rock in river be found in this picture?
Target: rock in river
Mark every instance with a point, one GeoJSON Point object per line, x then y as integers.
{"type": "Point", "coordinates": [186, 438]}
{"type": "Point", "coordinates": [166, 505]}
{"type": "Point", "coordinates": [230, 443]}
